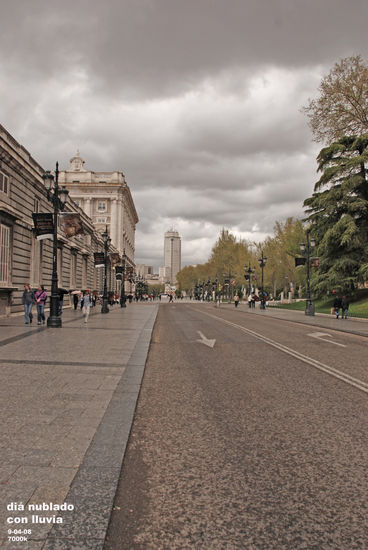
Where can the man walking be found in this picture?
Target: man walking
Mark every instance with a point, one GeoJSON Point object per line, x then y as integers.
{"type": "Point", "coordinates": [337, 305]}
{"type": "Point", "coordinates": [345, 307]}
{"type": "Point", "coordinates": [28, 299]}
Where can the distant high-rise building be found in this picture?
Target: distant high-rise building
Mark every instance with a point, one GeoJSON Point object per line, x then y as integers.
{"type": "Point", "coordinates": [172, 255]}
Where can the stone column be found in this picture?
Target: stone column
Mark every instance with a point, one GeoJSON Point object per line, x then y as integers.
{"type": "Point", "coordinates": [87, 207]}
{"type": "Point", "coordinates": [113, 222]}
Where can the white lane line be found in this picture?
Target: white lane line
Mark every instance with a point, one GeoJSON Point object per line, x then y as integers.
{"type": "Point", "coordinates": [363, 386]}
{"type": "Point", "coordinates": [321, 336]}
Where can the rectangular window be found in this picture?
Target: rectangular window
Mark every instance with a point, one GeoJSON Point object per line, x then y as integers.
{"type": "Point", "coordinates": [84, 271]}
{"type": "Point", "coordinates": [5, 256]}
{"type": "Point", "coordinates": [73, 270]}
{"type": "Point", "coordinates": [4, 183]}
{"type": "Point", "coordinates": [36, 262]}
{"type": "Point", "coordinates": [101, 206]}
{"type": "Point", "coordinates": [60, 265]}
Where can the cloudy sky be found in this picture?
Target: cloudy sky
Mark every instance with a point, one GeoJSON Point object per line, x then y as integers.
{"type": "Point", "coordinates": [196, 101]}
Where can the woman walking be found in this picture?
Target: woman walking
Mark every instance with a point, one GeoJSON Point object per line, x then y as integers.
{"type": "Point", "coordinates": [28, 299]}
{"type": "Point", "coordinates": [41, 297]}
{"type": "Point", "coordinates": [87, 304]}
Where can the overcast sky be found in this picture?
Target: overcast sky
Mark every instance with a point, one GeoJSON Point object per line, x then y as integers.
{"type": "Point", "coordinates": [196, 101]}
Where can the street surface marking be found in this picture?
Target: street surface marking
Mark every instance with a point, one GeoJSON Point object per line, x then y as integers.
{"type": "Point", "coordinates": [320, 335]}
{"type": "Point", "coordinates": [363, 386]}
{"type": "Point", "coordinates": [205, 341]}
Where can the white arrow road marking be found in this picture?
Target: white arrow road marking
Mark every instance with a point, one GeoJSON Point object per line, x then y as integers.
{"type": "Point", "coordinates": [205, 341]}
{"type": "Point", "coordinates": [320, 336]}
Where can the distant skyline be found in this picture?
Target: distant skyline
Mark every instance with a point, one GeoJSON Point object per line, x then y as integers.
{"type": "Point", "coordinates": [197, 102]}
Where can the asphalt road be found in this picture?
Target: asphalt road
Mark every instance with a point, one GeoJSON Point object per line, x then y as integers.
{"type": "Point", "coordinates": [258, 442]}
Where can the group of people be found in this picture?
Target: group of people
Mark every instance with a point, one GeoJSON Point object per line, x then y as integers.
{"type": "Point", "coordinates": [31, 298]}
{"type": "Point", "coordinates": [343, 304]}
{"type": "Point", "coordinates": [252, 301]}
{"type": "Point", "coordinates": [39, 299]}
{"type": "Point", "coordinates": [252, 298]}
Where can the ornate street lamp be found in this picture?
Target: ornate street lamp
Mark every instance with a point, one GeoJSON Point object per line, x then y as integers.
{"type": "Point", "coordinates": [208, 289]}
{"type": "Point", "coordinates": [58, 199]}
{"type": "Point", "coordinates": [249, 271]}
{"type": "Point", "coordinates": [227, 282]}
{"type": "Point", "coordinates": [106, 241]}
{"type": "Point", "coordinates": [311, 243]}
{"type": "Point", "coordinates": [262, 262]}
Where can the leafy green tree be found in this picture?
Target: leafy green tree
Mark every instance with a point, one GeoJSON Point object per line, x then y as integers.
{"type": "Point", "coordinates": [228, 255]}
{"type": "Point", "coordinates": [338, 213]}
{"type": "Point", "coordinates": [187, 278]}
{"type": "Point", "coordinates": [280, 251]}
{"type": "Point", "coordinates": [342, 106]}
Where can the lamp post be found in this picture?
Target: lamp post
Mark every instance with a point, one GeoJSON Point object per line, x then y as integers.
{"type": "Point", "coordinates": [58, 198]}
{"type": "Point", "coordinates": [262, 262]}
{"type": "Point", "coordinates": [208, 290]}
{"type": "Point", "coordinates": [106, 241]}
{"type": "Point", "coordinates": [122, 294]}
{"type": "Point", "coordinates": [250, 271]}
{"type": "Point", "coordinates": [227, 281]}
{"type": "Point", "coordinates": [311, 243]}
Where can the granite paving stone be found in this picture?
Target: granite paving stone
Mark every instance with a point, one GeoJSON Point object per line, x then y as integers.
{"type": "Point", "coordinates": [66, 429]}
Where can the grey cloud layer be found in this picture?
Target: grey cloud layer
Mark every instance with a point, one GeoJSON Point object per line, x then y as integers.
{"type": "Point", "coordinates": [197, 101]}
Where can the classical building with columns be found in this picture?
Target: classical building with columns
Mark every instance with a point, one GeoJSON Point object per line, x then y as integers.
{"type": "Point", "coordinates": [24, 258]}
{"type": "Point", "coordinates": [106, 198]}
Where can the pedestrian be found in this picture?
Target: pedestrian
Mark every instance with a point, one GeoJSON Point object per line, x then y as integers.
{"type": "Point", "coordinates": [170, 298]}
{"type": "Point", "coordinates": [28, 299]}
{"type": "Point", "coordinates": [250, 301]}
{"type": "Point", "coordinates": [345, 307]}
{"type": "Point", "coordinates": [236, 300]}
{"type": "Point", "coordinates": [75, 301]}
{"type": "Point", "coordinates": [337, 305]}
{"type": "Point", "coordinates": [87, 304]}
{"type": "Point", "coordinates": [61, 292]}
{"type": "Point", "coordinates": [40, 297]}
{"type": "Point", "coordinates": [253, 301]}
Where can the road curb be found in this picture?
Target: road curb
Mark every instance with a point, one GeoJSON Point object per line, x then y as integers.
{"type": "Point", "coordinates": [93, 489]}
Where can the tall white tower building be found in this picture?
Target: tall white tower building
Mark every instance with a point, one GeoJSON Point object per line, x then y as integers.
{"type": "Point", "coordinates": [172, 255]}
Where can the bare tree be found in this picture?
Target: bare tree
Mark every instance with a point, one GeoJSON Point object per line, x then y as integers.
{"type": "Point", "coordinates": [342, 107]}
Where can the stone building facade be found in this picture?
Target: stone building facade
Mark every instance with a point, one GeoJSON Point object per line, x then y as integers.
{"type": "Point", "coordinates": [23, 258]}
{"type": "Point", "coordinates": [106, 198]}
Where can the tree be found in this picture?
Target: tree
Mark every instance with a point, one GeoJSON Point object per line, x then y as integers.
{"type": "Point", "coordinates": [342, 107]}
{"type": "Point", "coordinates": [338, 213]}
{"type": "Point", "coordinates": [228, 255]}
{"type": "Point", "coordinates": [280, 251]}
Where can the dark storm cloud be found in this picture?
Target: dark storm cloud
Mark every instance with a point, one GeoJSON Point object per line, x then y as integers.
{"type": "Point", "coordinates": [196, 101]}
{"type": "Point", "coordinates": [162, 47]}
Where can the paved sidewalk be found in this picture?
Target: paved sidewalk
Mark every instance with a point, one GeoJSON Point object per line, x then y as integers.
{"type": "Point", "coordinates": [322, 320]}
{"type": "Point", "coordinates": [68, 397]}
